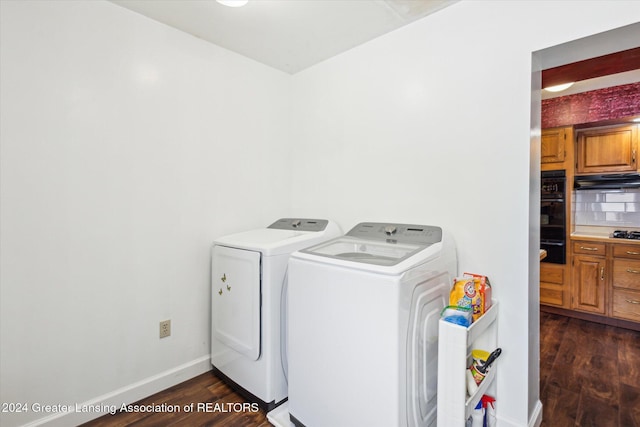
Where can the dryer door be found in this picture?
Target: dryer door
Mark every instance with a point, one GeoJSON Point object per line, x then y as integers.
{"type": "Point", "coordinates": [235, 293]}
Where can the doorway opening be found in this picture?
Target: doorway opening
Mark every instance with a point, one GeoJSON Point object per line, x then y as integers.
{"type": "Point", "coordinates": [563, 63]}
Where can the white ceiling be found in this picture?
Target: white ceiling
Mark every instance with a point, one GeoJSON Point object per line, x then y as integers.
{"type": "Point", "coordinates": [289, 35]}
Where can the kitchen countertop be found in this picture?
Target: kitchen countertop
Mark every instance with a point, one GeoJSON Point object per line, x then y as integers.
{"type": "Point", "coordinates": [605, 239]}
{"type": "Point", "coordinates": [602, 234]}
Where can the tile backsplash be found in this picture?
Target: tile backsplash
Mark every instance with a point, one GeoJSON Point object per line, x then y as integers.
{"type": "Point", "coordinates": [618, 208]}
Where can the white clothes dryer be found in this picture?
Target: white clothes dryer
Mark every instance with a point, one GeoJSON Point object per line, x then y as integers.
{"type": "Point", "coordinates": [248, 271]}
{"type": "Point", "coordinates": [363, 326]}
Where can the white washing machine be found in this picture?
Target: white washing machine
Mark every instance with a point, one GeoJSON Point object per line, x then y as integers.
{"type": "Point", "coordinates": [248, 271]}
{"type": "Point", "coordinates": [363, 326]}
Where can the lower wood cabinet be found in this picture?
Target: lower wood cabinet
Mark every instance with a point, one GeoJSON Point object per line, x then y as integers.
{"type": "Point", "coordinates": [626, 282]}
{"type": "Point", "coordinates": [589, 286]}
{"type": "Point", "coordinates": [605, 279]}
{"type": "Point", "coordinates": [555, 289]}
{"type": "Point", "coordinates": [626, 305]}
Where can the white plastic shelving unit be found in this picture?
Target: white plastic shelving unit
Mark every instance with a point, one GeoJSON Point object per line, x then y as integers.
{"type": "Point", "coordinates": [455, 343]}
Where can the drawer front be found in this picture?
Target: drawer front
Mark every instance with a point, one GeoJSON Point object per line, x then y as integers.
{"type": "Point", "coordinates": [589, 248]}
{"type": "Point", "coordinates": [626, 251]}
{"type": "Point", "coordinates": [552, 273]}
{"type": "Point", "coordinates": [626, 274]}
{"type": "Point", "coordinates": [626, 305]}
{"type": "Point", "coordinates": [552, 295]}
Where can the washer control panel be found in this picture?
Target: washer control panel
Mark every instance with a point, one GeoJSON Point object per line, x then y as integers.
{"type": "Point", "coordinates": [397, 233]}
{"type": "Point", "coordinates": [301, 224]}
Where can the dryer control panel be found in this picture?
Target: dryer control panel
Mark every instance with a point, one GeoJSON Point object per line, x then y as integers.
{"type": "Point", "coordinates": [423, 235]}
{"type": "Point", "coordinates": [300, 224]}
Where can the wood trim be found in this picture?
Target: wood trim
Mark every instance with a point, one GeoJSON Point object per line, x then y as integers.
{"type": "Point", "coordinates": [613, 63]}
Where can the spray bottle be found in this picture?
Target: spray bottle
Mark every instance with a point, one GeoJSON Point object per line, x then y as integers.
{"type": "Point", "coordinates": [488, 403]}
{"type": "Point", "coordinates": [477, 416]}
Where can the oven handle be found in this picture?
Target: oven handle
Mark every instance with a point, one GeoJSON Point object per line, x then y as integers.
{"type": "Point", "coordinates": [552, 243]}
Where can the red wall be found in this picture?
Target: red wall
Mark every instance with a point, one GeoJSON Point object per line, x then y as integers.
{"type": "Point", "coordinates": [594, 106]}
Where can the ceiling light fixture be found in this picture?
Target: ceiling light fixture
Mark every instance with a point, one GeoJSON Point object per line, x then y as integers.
{"type": "Point", "coordinates": [559, 88]}
{"type": "Point", "coordinates": [233, 3]}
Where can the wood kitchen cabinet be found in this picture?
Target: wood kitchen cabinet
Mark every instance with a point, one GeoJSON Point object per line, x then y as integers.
{"type": "Point", "coordinates": [589, 274]}
{"type": "Point", "coordinates": [554, 285]}
{"type": "Point", "coordinates": [605, 278]}
{"type": "Point", "coordinates": [557, 153]}
{"type": "Point", "coordinates": [589, 285]}
{"type": "Point", "coordinates": [607, 149]}
{"type": "Point", "coordinates": [556, 144]}
{"type": "Point", "coordinates": [625, 290]}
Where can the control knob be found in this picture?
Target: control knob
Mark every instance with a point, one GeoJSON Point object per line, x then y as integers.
{"type": "Point", "coordinates": [390, 230]}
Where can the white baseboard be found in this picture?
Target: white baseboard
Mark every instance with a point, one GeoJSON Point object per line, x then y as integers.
{"type": "Point", "coordinates": [534, 421]}
{"type": "Point", "coordinates": [128, 394]}
{"type": "Point", "coordinates": [536, 417]}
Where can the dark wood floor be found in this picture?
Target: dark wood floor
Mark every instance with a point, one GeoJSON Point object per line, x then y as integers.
{"type": "Point", "coordinates": [589, 373]}
{"type": "Point", "coordinates": [589, 376]}
{"type": "Point", "coordinates": [203, 389]}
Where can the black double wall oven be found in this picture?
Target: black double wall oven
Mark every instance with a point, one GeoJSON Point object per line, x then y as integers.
{"type": "Point", "coordinates": [553, 221]}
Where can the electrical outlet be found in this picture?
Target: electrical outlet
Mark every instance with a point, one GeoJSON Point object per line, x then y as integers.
{"type": "Point", "coordinates": [165, 328]}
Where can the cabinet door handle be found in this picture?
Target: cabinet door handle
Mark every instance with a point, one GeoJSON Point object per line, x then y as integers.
{"type": "Point", "coordinates": [630, 270]}
{"type": "Point", "coordinates": [588, 249]}
{"type": "Point", "coordinates": [633, 156]}
{"type": "Point", "coordinates": [633, 253]}
{"type": "Point", "coordinates": [631, 301]}
{"type": "Point", "coordinates": [602, 273]}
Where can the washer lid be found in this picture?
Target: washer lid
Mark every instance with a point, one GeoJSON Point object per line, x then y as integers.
{"type": "Point", "coordinates": [366, 251]}
{"type": "Point", "coordinates": [384, 244]}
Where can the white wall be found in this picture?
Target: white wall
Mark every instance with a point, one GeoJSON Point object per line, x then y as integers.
{"type": "Point", "coordinates": [127, 147]}
{"type": "Point", "coordinates": [431, 124]}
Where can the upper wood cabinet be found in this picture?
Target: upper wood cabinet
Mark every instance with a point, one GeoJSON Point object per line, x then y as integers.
{"type": "Point", "coordinates": [610, 149]}
{"type": "Point", "coordinates": [554, 145]}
